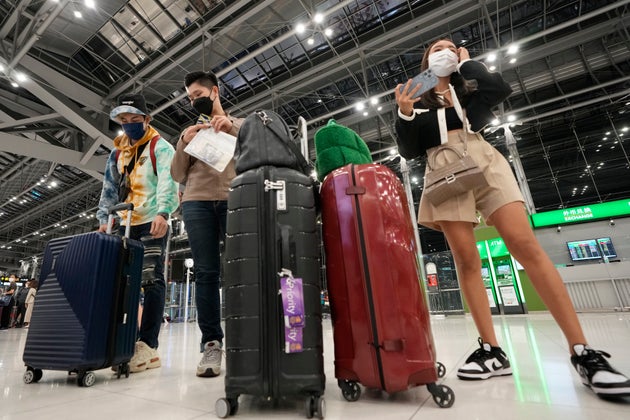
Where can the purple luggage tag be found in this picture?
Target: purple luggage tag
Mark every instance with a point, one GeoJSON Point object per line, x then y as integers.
{"type": "Point", "coordinates": [292, 299]}
{"type": "Point", "coordinates": [292, 293]}
{"type": "Point", "coordinates": [293, 340]}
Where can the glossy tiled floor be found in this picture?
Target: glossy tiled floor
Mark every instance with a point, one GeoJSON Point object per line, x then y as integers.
{"type": "Point", "coordinates": [544, 385]}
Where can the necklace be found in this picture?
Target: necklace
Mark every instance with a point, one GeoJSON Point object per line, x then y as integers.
{"type": "Point", "coordinates": [442, 92]}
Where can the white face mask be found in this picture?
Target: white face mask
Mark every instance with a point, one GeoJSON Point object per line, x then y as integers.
{"type": "Point", "coordinates": [443, 63]}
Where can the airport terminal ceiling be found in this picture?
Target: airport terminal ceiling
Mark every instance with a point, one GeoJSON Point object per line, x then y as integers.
{"type": "Point", "coordinates": [64, 63]}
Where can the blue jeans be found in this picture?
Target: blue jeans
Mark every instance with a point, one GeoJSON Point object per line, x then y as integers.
{"type": "Point", "coordinates": [205, 225]}
{"type": "Point", "coordinates": [152, 282]}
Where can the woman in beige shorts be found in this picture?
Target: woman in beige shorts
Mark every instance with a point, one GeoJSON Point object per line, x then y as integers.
{"type": "Point", "coordinates": [434, 119]}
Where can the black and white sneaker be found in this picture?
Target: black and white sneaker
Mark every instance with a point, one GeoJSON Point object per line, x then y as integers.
{"type": "Point", "coordinates": [597, 374]}
{"type": "Point", "coordinates": [485, 362]}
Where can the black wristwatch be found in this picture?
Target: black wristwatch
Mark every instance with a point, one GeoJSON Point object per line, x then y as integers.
{"type": "Point", "coordinates": [164, 215]}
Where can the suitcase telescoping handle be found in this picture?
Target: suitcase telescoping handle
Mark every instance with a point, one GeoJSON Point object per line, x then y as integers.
{"type": "Point", "coordinates": [113, 210]}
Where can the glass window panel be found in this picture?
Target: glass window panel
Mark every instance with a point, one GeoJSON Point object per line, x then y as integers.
{"type": "Point", "coordinates": [147, 39]}
{"type": "Point", "coordinates": [183, 12]}
{"type": "Point", "coordinates": [126, 51]}
{"type": "Point", "coordinates": [111, 34]}
{"type": "Point", "coordinates": [254, 74]}
{"type": "Point", "coordinates": [165, 26]}
{"type": "Point", "coordinates": [148, 9]}
{"type": "Point", "coordinates": [128, 20]}
{"type": "Point", "coordinates": [234, 80]}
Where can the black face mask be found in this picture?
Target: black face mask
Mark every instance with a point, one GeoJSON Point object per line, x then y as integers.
{"type": "Point", "coordinates": [203, 105]}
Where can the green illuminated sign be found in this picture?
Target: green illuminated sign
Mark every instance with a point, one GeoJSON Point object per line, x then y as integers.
{"type": "Point", "coordinates": [582, 214]}
{"type": "Point", "coordinates": [481, 246]}
{"type": "Point", "coordinates": [497, 248]}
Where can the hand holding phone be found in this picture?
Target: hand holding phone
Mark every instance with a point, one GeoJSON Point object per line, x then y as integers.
{"type": "Point", "coordinates": [427, 79]}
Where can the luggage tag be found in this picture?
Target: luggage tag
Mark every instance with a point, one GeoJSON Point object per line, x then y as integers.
{"type": "Point", "coordinates": [293, 340]}
{"type": "Point", "coordinates": [281, 194]}
{"type": "Point", "coordinates": [292, 292]}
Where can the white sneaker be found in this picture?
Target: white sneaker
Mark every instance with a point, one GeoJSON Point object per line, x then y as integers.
{"type": "Point", "coordinates": [597, 374]}
{"type": "Point", "coordinates": [210, 364]}
{"type": "Point", "coordinates": [144, 357]}
{"type": "Point", "coordinates": [485, 362]}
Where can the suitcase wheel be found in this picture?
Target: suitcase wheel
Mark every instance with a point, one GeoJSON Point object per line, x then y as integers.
{"type": "Point", "coordinates": [32, 375]}
{"type": "Point", "coordinates": [443, 396]}
{"type": "Point", "coordinates": [315, 407]}
{"type": "Point", "coordinates": [225, 407]}
{"type": "Point", "coordinates": [441, 369]}
{"type": "Point", "coordinates": [123, 369]}
{"type": "Point", "coordinates": [86, 379]}
{"type": "Point", "coordinates": [350, 390]}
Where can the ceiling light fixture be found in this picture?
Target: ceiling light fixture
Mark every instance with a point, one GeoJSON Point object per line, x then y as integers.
{"type": "Point", "coordinates": [491, 57]}
{"type": "Point", "coordinates": [90, 4]}
{"type": "Point", "coordinates": [360, 106]}
{"type": "Point", "coordinates": [511, 118]}
{"type": "Point", "coordinates": [318, 18]}
{"type": "Point", "coordinates": [492, 68]}
{"type": "Point", "coordinates": [310, 41]}
{"type": "Point", "coordinates": [78, 14]}
{"type": "Point", "coordinates": [328, 32]}
{"type": "Point", "coordinates": [300, 28]}
{"type": "Point", "coordinates": [512, 49]}
{"type": "Point", "coordinates": [512, 60]}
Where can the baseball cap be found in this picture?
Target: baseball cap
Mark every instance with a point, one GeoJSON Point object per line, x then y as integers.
{"type": "Point", "coordinates": [132, 103]}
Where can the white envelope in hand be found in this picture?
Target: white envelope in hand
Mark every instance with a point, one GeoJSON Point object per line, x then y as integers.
{"type": "Point", "coordinates": [212, 148]}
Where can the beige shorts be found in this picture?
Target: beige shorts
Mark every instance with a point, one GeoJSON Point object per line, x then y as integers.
{"type": "Point", "coordinates": [502, 187]}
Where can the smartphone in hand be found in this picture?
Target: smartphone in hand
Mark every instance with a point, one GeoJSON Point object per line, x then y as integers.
{"type": "Point", "coordinates": [427, 78]}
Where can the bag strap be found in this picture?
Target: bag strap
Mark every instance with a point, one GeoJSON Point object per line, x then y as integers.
{"type": "Point", "coordinates": [154, 141]}
{"type": "Point", "coordinates": [152, 144]}
{"type": "Point", "coordinates": [431, 159]}
{"type": "Point", "coordinates": [290, 144]}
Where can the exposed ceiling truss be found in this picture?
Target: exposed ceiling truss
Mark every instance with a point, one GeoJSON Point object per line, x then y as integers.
{"type": "Point", "coordinates": [571, 83]}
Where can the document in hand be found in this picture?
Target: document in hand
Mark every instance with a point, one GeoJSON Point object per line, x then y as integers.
{"type": "Point", "coordinates": [212, 148]}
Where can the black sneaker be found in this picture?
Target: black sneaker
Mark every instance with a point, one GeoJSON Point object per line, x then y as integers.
{"type": "Point", "coordinates": [597, 374]}
{"type": "Point", "coordinates": [485, 362]}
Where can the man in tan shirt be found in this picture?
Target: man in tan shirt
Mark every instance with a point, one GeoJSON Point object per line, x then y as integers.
{"type": "Point", "coordinates": [204, 207]}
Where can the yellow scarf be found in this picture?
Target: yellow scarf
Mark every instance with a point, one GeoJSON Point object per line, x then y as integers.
{"type": "Point", "coordinates": [128, 150]}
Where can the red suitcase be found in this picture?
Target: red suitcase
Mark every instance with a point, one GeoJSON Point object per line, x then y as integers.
{"type": "Point", "coordinates": [381, 329]}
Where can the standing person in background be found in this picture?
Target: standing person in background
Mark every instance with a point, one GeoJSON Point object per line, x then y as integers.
{"type": "Point", "coordinates": [450, 113]}
{"type": "Point", "coordinates": [30, 300]}
{"type": "Point", "coordinates": [5, 319]}
{"type": "Point", "coordinates": [138, 172]}
{"type": "Point", "coordinates": [20, 303]}
{"type": "Point", "coordinates": [204, 207]}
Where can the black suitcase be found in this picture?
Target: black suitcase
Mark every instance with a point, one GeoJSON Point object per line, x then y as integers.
{"type": "Point", "coordinates": [271, 226]}
{"type": "Point", "coordinates": [85, 317]}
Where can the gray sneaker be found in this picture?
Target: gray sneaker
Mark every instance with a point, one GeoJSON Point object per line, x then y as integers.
{"type": "Point", "coordinates": [210, 364]}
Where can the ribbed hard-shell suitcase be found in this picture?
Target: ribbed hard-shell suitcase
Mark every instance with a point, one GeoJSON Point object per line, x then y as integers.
{"type": "Point", "coordinates": [271, 226]}
{"type": "Point", "coordinates": [85, 316]}
{"type": "Point", "coordinates": [381, 325]}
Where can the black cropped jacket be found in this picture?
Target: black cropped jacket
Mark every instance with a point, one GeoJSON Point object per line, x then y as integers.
{"type": "Point", "coordinates": [423, 131]}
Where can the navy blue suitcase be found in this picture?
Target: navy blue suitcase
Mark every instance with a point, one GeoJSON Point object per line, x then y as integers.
{"type": "Point", "coordinates": [85, 317]}
{"type": "Point", "coordinates": [271, 225]}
